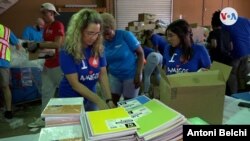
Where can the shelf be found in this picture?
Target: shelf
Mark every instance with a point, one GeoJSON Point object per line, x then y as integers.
{"type": "Point", "coordinates": [76, 9]}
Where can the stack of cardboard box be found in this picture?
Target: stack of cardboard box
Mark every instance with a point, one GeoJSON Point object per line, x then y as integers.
{"type": "Point", "coordinates": [146, 21]}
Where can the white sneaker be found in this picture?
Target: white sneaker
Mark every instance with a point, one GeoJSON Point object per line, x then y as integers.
{"type": "Point", "coordinates": [37, 123]}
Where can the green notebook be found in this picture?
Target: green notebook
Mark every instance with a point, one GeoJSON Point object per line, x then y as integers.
{"type": "Point", "coordinates": [154, 116]}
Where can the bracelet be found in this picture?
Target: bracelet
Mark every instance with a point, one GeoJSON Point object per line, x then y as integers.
{"type": "Point", "coordinates": [107, 100]}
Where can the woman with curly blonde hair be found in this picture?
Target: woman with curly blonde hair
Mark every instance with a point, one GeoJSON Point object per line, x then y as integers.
{"type": "Point", "coordinates": [82, 61]}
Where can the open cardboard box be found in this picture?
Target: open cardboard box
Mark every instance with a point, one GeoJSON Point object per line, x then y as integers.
{"type": "Point", "coordinates": [197, 94]}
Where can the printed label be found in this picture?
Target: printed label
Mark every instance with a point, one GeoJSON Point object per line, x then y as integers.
{"type": "Point", "coordinates": [129, 104]}
{"type": "Point", "coordinates": [120, 123]}
{"type": "Point", "coordinates": [139, 112]}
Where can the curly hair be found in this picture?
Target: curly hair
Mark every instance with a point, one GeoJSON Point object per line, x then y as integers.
{"type": "Point", "coordinates": [184, 33]}
{"type": "Point", "coordinates": [78, 23]}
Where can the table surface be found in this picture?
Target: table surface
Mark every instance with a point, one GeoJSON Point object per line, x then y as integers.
{"type": "Point", "coordinates": [233, 114]}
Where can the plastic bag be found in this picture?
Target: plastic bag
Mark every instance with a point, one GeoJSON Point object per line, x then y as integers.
{"type": "Point", "coordinates": [20, 59]}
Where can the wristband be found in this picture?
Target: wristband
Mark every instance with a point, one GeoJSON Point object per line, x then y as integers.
{"type": "Point", "coordinates": [107, 100]}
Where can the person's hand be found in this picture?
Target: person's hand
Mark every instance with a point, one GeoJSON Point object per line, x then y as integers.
{"type": "Point", "coordinates": [111, 104]}
{"type": "Point", "coordinates": [30, 46]}
{"type": "Point", "coordinates": [137, 80]}
{"type": "Point", "coordinates": [101, 104]}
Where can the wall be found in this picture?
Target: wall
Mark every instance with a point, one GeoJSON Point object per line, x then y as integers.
{"type": "Point", "coordinates": [188, 9]}
{"type": "Point", "coordinates": [25, 12]}
{"type": "Point", "coordinates": [242, 7]}
{"type": "Point", "coordinates": [200, 11]}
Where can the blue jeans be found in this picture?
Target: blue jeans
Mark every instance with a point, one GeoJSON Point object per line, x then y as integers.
{"type": "Point", "coordinates": [123, 87]}
{"type": "Point", "coordinates": [153, 60]}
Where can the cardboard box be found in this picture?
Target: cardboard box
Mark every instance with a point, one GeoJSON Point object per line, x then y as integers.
{"type": "Point", "coordinates": [136, 23]}
{"type": "Point", "coordinates": [147, 18]}
{"type": "Point", "coordinates": [135, 28]}
{"type": "Point", "coordinates": [160, 31]}
{"type": "Point", "coordinates": [197, 94]}
{"type": "Point", "coordinates": [149, 26]}
{"type": "Point", "coordinates": [41, 54]}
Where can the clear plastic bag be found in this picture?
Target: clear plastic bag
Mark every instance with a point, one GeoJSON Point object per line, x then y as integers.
{"type": "Point", "coordinates": [20, 58]}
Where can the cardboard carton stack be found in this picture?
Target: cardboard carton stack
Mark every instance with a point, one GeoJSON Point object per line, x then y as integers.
{"type": "Point", "coordinates": [146, 21]}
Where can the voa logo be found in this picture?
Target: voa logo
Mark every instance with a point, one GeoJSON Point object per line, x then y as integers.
{"type": "Point", "coordinates": [228, 16]}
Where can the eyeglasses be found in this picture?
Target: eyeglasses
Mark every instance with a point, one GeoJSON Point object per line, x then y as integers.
{"type": "Point", "coordinates": [92, 34]}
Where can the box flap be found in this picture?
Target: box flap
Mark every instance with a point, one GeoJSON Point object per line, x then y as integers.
{"type": "Point", "coordinates": [191, 79]}
{"type": "Point", "coordinates": [225, 69]}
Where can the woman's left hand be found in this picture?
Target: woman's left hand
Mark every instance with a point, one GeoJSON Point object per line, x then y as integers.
{"type": "Point", "coordinates": [137, 80]}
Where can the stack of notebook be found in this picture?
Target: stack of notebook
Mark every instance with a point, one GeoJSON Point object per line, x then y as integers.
{"type": "Point", "coordinates": [156, 120]}
{"type": "Point", "coordinates": [63, 111]}
{"type": "Point", "coordinates": [135, 102]}
{"type": "Point", "coordinates": [109, 125]}
{"type": "Point", "coordinates": [61, 133]}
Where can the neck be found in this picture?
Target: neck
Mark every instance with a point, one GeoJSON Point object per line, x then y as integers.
{"type": "Point", "coordinates": [51, 21]}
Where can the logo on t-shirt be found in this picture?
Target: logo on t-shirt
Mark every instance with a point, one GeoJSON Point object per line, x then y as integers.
{"type": "Point", "coordinates": [228, 16]}
{"type": "Point", "coordinates": [172, 58]}
{"type": "Point", "coordinates": [118, 46]}
{"type": "Point", "coordinates": [83, 65]}
{"type": "Point", "coordinates": [94, 62]}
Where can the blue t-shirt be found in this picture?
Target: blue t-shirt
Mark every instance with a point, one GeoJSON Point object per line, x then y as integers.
{"type": "Point", "coordinates": [32, 34]}
{"type": "Point", "coordinates": [120, 54]}
{"type": "Point", "coordinates": [240, 34]}
{"type": "Point", "coordinates": [147, 51]}
{"type": "Point", "coordinates": [13, 41]}
{"type": "Point", "coordinates": [199, 59]}
{"type": "Point", "coordinates": [88, 71]}
{"type": "Point", "coordinates": [159, 41]}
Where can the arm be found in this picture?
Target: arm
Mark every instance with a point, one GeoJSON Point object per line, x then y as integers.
{"type": "Point", "coordinates": [52, 45]}
{"type": "Point", "coordinates": [140, 62]}
{"type": "Point", "coordinates": [204, 58]}
{"type": "Point", "coordinates": [84, 91]}
{"type": "Point", "coordinates": [14, 41]}
{"type": "Point", "coordinates": [135, 46]}
{"type": "Point", "coordinates": [231, 46]}
{"type": "Point", "coordinates": [103, 80]}
{"type": "Point", "coordinates": [156, 48]}
{"type": "Point", "coordinates": [213, 43]}
{"type": "Point", "coordinates": [25, 34]}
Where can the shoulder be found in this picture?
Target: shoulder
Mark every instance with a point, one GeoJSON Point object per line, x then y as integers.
{"type": "Point", "coordinates": [198, 47]}
{"type": "Point", "coordinates": [58, 23]}
{"type": "Point", "coordinates": [122, 32]}
{"type": "Point", "coordinates": [64, 53]}
{"type": "Point", "coordinates": [28, 27]}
